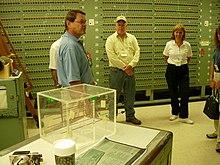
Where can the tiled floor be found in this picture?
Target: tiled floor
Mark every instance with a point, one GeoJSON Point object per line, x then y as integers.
{"type": "Point", "coordinates": [190, 145]}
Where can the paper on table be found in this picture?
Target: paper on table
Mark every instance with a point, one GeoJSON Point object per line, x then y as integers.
{"type": "Point", "coordinates": [110, 152]}
{"type": "Point", "coordinates": [134, 135]}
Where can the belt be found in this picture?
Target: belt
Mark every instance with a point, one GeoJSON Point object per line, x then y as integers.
{"type": "Point", "coordinates": [111, 67]}
{"type": "Point", "coordinates": [177, 66]}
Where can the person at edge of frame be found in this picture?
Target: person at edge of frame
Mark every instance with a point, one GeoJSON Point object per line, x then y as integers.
{"type": "Point", "coordinates": [54, 51]}
{"type": "Point", "coordinates": [215, 83]}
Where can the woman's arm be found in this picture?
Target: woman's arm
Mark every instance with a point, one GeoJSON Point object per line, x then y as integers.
{"type": "Point", "coordinates": [211, 76]}
{"type": "Point", "coordinates": [165, 58]}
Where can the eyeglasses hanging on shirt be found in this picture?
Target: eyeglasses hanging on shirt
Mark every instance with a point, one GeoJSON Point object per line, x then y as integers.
{"type": "Point", "coordinates": [88, 55]}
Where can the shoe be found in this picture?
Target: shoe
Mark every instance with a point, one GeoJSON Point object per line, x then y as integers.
{"type": "Point", "coordinates": [134, 121]}
{"type": "Point", "coordinates": [218, 147]}
{"type": "Point", "coordinates": [186, 120]}
{"type": "Point", "coordinates": [173, 117]}
{"type": "Point", "coordinates": [212, 135]}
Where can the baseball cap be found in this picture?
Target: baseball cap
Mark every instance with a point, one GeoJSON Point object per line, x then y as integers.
{"type": "Point", "coordinates": [121, 18]}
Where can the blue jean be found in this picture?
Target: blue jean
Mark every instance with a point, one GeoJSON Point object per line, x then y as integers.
{"type": "Point", "coordinates": [121, 82]}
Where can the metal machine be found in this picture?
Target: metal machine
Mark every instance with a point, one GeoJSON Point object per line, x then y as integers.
{"type": "Point", "coordinates": [14, 94]}
{"type": "Point", "coordinates": [12, 111]}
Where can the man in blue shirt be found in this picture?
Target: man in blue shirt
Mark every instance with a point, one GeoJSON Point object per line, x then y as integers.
{"type": "Point", "coordinates": [73, 66]}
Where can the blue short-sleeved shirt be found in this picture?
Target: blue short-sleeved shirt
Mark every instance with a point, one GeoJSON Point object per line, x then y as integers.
{"type": "Point", "coordinates": [72, 64]}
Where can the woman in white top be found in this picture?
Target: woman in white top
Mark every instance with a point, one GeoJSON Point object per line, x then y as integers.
{"type": "Point", "coordinates": [177, 53]}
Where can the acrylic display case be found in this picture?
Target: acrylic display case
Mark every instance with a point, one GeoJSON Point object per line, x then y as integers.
{"type": "Point", "coordinates": [84, 113]}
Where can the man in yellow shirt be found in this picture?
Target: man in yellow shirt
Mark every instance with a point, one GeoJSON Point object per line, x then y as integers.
{"type": "Point", "coordinates": [123, 53]}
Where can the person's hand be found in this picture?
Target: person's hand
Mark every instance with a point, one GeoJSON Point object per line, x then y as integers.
{"type": "Point", "coordinates": [95, 83]}
{"type": "Point", "coordinates": [57, 86]}
{"type": "Point", "coordinates": [212, 84]}
{"type": "Point", "coordinates": [128, 70]}
{"type": "Point", "coordinates": [217, 85]}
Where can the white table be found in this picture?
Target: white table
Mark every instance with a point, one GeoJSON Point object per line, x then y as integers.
{"type": "Point", "coordinates": [157, 142]}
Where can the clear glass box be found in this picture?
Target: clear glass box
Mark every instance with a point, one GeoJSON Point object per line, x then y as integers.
{"type": "Point", "coordinates": [84, 113]}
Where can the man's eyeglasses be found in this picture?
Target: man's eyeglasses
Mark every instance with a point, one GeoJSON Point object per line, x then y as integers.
{"type": "Point", "coordinates": [81, 21]}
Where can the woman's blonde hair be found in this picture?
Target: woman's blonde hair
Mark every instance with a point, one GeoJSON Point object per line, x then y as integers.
{"type": "Point", "coordinates": [178, 26]}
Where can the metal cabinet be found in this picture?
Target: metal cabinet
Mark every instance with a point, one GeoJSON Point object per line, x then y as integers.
{"type": "Point", "coordinates": [12, 111]}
